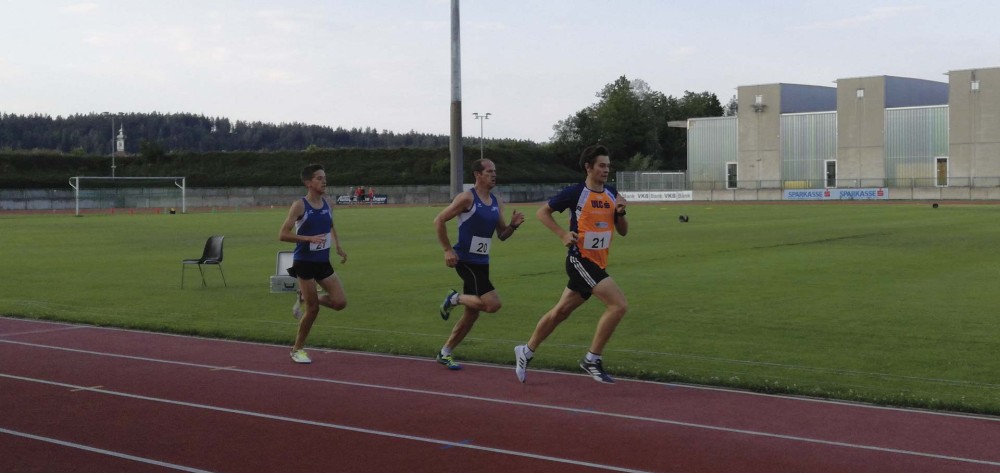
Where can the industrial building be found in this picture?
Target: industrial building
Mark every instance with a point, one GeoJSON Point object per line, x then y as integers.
{"type": "Point", "coordinates": [879, 137]}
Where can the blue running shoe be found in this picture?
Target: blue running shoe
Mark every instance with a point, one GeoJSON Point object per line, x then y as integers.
{"type": "Point", "coordinates": [596, 370]}
{"type": "Point", "coordinates": [448, 361]}
{"type": "Point", "coordinates": [446, 306]}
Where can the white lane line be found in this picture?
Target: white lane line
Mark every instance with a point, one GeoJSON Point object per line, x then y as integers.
{"type": "Point", "coordinates": [527, 404]}
{"type": "Point", "coordinates": [43, 331]}
{"type": "Point", "coordinates": [101, 451]}
{"type": "Point", "coordinates": [507, 367]}
{"type": "Point", "coordinates": [328, 425]}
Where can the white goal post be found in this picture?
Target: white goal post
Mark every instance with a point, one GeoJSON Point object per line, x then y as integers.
{"type": "Point", "coordinates": [77, 183]}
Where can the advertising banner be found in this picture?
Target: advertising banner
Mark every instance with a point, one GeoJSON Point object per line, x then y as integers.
{"type": "Point", "coordinates": [380, 199]}
{"type": "Point", "coordinates": [656, 196]}
{"type": "Point", "coordinates": [879, 193]}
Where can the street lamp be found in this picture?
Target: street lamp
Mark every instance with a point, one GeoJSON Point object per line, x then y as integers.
{"type": "Point", "coordinates": [481, 118]}
{"type": "Point", "coordinates": [112, 141]}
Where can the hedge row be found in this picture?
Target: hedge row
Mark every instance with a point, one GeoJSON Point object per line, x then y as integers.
{"type": "Point", "coordinates": [239, 169]}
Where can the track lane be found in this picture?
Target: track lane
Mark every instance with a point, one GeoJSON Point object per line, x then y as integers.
{"type": "Point", "coordinates": [576, 405]}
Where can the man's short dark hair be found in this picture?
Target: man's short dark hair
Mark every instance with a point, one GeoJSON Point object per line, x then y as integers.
{"type": "Point", "coordinates": [308, 171]}
{"type": "Point", "coordinates": [479, 165]}
{"type": "Point", "coordinates": [590, 154]}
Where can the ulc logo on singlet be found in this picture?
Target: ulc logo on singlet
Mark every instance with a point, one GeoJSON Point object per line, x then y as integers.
{"type": "Point", "coordinates": [597, 204]}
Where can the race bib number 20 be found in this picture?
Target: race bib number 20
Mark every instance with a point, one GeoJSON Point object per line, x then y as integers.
{"type": "Point", "coordinates": [480, 246]}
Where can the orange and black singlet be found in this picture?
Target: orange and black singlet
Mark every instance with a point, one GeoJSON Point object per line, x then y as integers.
{"type": "Point", "coordinates": [593, 220]}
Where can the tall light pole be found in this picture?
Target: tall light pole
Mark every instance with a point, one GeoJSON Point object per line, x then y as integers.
{"type": "Point", "coordinates": [455, 141]}
{"type": "Point", "coordinates": [112, 141]}
{"type": "Point", "coordinates": [481, 118]}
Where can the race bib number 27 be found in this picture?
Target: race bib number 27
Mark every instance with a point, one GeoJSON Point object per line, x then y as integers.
{"type": "Point", "coordinates": [321, 246]}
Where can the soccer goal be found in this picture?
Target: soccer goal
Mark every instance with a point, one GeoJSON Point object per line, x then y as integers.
{"type": "Point", "coordinates": [651, 181]}
{"type": "Point", "coordinates": [129, 192]}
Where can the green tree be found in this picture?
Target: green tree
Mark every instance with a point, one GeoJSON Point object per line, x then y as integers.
{"type": "Point", "coordinates": [632, 119]}
{"type": "Point", "coordinates": [732, 108]}
{"type": "Point", "coordinates": [151, 152]}
{"type": "Point", "coordinates": [641, 162]}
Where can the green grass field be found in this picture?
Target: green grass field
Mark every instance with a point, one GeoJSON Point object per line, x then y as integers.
{"type": "Point", "coordinates": [893, 304]}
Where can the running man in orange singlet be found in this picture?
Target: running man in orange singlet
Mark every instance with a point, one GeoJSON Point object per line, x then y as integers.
{"type": "Point", "coordinates": [598, 211]}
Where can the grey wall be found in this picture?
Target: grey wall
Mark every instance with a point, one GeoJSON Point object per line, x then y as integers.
{"type": "Point", "coordinates": [974, 117]}
{"type": "Point", "coordinates": [63, 199]}
{"type": "Point", "coordinates": [758, 146]}
{"type": "Point", "coordinates": [860, 126]}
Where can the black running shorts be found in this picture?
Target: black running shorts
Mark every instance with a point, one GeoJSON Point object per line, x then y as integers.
{"type": "Point", "coordinates": [475, 278]}
{"type": "Point", "coordinates": [583, 275]}
{"type": "Point", "coordinates": [311, 270]}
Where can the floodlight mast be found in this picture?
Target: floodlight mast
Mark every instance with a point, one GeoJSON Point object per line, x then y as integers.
{"type": "Point", "coordinates": [112, 115]}
{"type": "Point", "coordinates": [481, 118]}
{"type": "Point", "coordinates": [455, 143]}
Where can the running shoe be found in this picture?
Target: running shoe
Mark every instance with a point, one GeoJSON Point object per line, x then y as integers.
{"type": "Point", "coordinates": [448, 361]}
{"type": "Point", "coordinates": [297, 308]}
{"type": "Point", "coordinates": [596, 370]}
{"type": "Point", "coordinates": [521, 369]}
{"type": "Point", "coordinates": [300, 356]}
{"type": "Point", "coordinates": [446, 306]}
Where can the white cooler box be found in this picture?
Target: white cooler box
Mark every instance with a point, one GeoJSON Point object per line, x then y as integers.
{"type": "Point", "coordinates": [281, 281]}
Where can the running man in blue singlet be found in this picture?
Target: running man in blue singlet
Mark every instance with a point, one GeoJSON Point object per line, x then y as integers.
{"type": "Point", "coordinates": [310, 226]}
{"type": "Point", "coordinates": [479, 213]}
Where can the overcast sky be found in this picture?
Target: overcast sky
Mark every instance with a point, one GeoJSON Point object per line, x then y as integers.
{"type": "Point", "coordinates": [386, 63]}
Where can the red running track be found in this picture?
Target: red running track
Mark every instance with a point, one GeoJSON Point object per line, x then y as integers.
{"type": "Point", "coordinates": [81, 398]}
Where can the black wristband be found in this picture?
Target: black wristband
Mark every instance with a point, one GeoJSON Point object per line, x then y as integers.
{"type": "Point", "coordinates": [620, 214]}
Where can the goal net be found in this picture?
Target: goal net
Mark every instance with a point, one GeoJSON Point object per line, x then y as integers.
{"type": "Point", "coordinates": [651, 181]}
{"type": "Point", "coordinates": [92, 193]}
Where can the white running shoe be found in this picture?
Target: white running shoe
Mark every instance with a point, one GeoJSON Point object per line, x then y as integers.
{"type": "Point", "coordinates": [300, 356]}
{"type": "Point", "coordinates": [521, 368]}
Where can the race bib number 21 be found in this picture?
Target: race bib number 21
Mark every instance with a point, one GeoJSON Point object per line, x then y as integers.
{"type": "Point", "coordinates": [597, 240]}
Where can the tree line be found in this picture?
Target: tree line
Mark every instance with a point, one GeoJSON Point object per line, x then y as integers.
{"type": "Point", "coordinates": [92, 134]}
{"type": "Point", "coordinates": [345, 167]}
{"type": "Point", "coordinates": [630, 118]}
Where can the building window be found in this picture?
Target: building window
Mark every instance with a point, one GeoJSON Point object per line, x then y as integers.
{"type": "Point", "coordinates": [731, 176]}
{"type": "Point", "coordinates": [860, 93]}
{"type": "Point", "coordinates": [941, 171]}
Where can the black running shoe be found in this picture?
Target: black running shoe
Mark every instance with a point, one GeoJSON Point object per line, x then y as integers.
{"type": "Point", "coordinates": [596, 370]}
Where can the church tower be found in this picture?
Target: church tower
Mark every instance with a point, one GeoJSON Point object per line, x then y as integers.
{"type": "Point", "coordinates": [120, 142]}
